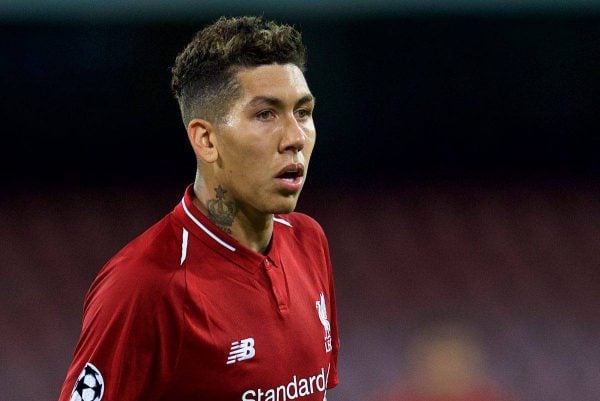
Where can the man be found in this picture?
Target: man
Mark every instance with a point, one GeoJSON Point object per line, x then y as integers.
{"type": "Point", "coordinates": [228, 297]}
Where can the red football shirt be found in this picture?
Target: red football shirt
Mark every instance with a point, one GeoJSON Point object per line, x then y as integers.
{"type": "Point", "coordinates": [185, 312]}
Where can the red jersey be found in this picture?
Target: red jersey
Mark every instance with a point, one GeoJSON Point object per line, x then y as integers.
{"type": "Point", "coordinates": [185, 312]}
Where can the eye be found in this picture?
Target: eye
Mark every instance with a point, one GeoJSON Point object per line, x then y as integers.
{"type": "Point", "coordinates": [265, 115]}
{"type": "Point", "coordinates": [302, 114]}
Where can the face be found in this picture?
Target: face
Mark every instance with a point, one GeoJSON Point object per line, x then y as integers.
{"type": "Point", "coordinates": [266, 139]}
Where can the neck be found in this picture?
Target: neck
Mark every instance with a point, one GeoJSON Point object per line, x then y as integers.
{"type": "Point", "coordinates": [248, 227]}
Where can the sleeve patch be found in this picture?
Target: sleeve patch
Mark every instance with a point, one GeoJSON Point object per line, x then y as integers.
{"type": "Point", "coordinates": [89, 385]}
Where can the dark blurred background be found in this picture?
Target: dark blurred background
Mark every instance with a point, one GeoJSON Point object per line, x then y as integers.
{"type": "Point", "coordinates": [456, 175]}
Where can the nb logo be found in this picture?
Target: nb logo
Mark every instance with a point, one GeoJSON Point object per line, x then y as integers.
{"type": "Point", "coordinates": [241, 350]}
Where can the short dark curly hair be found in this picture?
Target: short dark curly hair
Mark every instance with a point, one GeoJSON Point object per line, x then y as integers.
{"type": "Point", "coordinates": [204, 75]}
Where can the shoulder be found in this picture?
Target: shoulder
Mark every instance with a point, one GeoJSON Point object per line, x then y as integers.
{"type": "Point", "coordinates": [143, 271]}
{"type": "Point", "coordinates": [306, 229]}
{"type": "Point", "coordinates": [299, 222]}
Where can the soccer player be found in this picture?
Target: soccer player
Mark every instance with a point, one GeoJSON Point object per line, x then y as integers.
{"type": "Point", "coordinates": [230, 296]}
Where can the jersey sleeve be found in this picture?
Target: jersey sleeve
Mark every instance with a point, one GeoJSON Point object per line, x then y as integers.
{"type": "Point", "coordinates": [130, 337]}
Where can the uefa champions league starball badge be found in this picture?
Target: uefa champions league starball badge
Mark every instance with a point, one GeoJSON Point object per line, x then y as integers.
{"type": "Point", "coordinates": [89, 385]}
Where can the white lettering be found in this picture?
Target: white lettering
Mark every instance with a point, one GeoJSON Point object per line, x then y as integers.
{"type": "Point", "coordinates": [296, 388]}
{"type": "Point", "coordinates": [293, 385]}
{"type": "Point", "coordinates": [321, 379]}
{"type": "Point", "coordinates": [270, 395]}
{"type": "Point", "coordinates": [283, 393]}
{"type": "Point", "coordinates": [303, 387]}
{"type": "Point", "coordinates": [312, 381]}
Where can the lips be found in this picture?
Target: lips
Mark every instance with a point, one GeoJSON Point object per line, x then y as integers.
{"type": "Point", "coordinates": [290, 177]}
{"type": "Point", "coordinates": [291, 172]}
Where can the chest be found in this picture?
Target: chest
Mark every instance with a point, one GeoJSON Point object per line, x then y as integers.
{"type": "Point", "coordinates": [262, 335]}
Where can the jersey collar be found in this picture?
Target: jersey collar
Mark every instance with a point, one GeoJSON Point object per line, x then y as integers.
{"type": "Point", "coordinates": [227, 246]}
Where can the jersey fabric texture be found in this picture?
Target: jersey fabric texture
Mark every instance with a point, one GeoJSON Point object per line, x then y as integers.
{"type": "Point", "coordinates": [185, 312]}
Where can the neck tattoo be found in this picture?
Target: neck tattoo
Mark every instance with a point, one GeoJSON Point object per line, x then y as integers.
{"type": "Point", "coordinates": [220, 211]}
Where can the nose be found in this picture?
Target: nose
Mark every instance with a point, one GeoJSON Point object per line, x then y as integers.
{"type": "Point", "coordinates": [294, 137]}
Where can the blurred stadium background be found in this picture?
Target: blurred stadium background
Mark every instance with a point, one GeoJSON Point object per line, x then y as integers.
{"type": "Point", "coordinates": [456, 174]}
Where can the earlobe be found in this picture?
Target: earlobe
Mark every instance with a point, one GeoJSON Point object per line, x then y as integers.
{"type": "Point", "coordinates": [202, 138]}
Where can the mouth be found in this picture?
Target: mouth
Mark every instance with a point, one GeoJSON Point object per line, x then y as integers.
{"type": "Point", "coordinates": [291, 172]}
{"type": "Point", "coordinates": [291, 176]}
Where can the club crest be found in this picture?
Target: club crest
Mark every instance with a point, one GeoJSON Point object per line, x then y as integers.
{"type": "Point", "coordinates": [322, 312]}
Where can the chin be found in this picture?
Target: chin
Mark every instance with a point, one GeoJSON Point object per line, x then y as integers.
{"type": "Point", "coordinates": [286, 206]}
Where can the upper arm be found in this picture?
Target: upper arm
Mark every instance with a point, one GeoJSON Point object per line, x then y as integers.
{"type": "Point", "coordinates": [130, 335]}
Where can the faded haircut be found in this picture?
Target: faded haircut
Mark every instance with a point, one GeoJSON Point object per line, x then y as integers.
{"type": "Point", "coordinates": [204, 75]}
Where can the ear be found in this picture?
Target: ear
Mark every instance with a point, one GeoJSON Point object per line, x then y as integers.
{"type": "Point", "coordinates": [203, 140]}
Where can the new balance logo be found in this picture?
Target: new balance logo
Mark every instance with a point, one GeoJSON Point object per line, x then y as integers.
{"type": "Point", "coordinates": [241, 350]}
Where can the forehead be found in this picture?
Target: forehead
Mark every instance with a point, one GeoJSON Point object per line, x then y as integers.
{"type": "Point", "coordinates": [282, 81]}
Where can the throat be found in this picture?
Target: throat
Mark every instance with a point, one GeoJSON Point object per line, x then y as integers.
{"type": "Point", "coordinates": [248, 226]}
{"type": "Point", "coordinates": [254, 234]}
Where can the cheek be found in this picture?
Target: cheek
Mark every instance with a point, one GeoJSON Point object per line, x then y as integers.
{"type": "Point", "coordinates": [309, 145]}
{"type": "Point", "coordinates": [246, 163]}
{"type": "Point", "coordinates": [237, 151]}
{"type": "Point", "coordinates": [310, 132]}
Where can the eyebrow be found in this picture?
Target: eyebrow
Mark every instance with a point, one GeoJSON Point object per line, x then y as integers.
{"type": "Point", "coordinates": [276, 102]}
